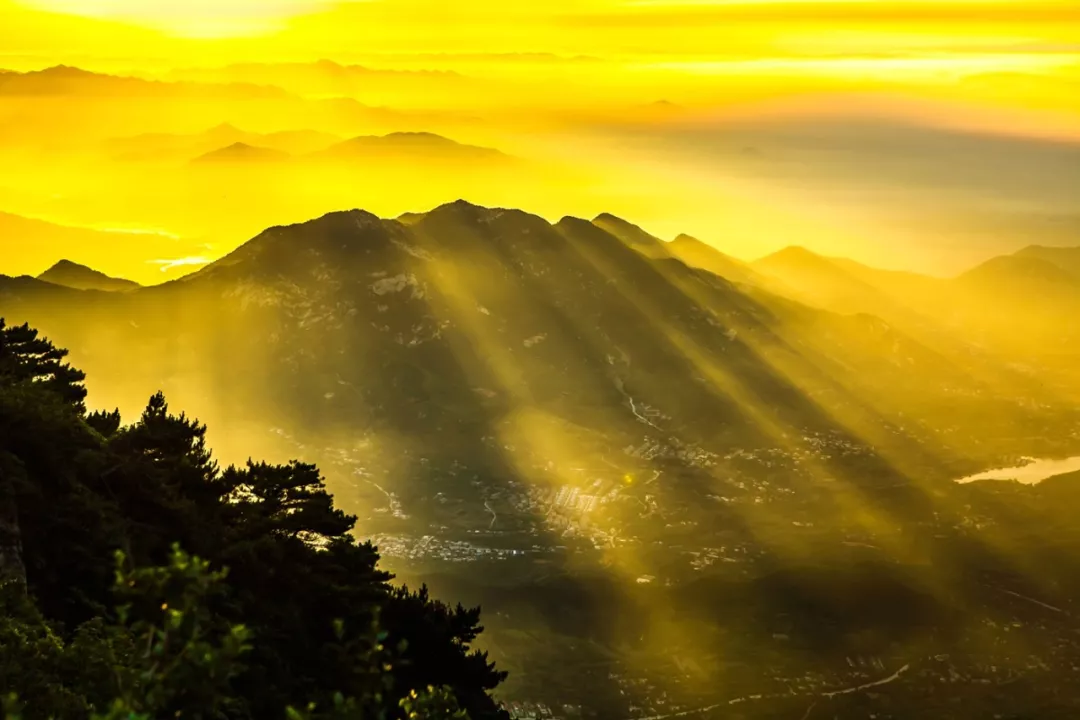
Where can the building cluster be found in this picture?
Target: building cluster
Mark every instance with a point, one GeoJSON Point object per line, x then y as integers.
{"type": "Point", "coordinates": [430, 547]}
{"type": "Point", "coordinates": [571, 498]}
{"type": "Point", "coordinates": [540, 711]}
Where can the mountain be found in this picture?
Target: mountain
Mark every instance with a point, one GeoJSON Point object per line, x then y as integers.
{"type": "Point", "coordinates": [1011, 313]}
{"type": "Point", "coordinates": [429, 146]}
{"type": "Point", "coordinates": [810, 273]}
{"type": "Point", "coordinates": [75, 82]}
{"type": "Point", "coordinates": [1021, 302]}
{"type": "Point", "coordinates": [167, 146]}
{"type": "Point", "coordinates": [633, 236]}
{"type": "Point", "coordinates": [80, 277]}
{"type": "Point", "coordinates": [1022, 272]}
{"type": "Point", "coordinates": [100, 106]}
{"type": "Point", "coordinates": [242, 153]}
{"type": "Point", "coordinates": [1066, 258]}
{"type": "Point", "coordinates": [823, 282]}
{"type": "Point", "coordinates": [698, 254]}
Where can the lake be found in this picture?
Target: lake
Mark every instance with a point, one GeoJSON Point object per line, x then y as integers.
{"type": "Point", "coordinates": [1032, 473]}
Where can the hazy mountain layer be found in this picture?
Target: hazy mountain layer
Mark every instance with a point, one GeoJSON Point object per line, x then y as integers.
{"type": "Point", "coordinates": [1009, 316]}
{"type": "Point", "coordinates": [158, 147]}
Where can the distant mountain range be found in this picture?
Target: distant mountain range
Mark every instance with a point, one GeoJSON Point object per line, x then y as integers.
{"type": "Point", "coordinates": [72, 81]}
{"type": "Point", "coordinates": [421, 145]}
{"type": "Point", "coordinates": [177, 147]}
{"type": "Point", "coordinates": [1014, 306]}
{"type": "Point", "coordinates": [227, 143]}
{"type": "Point", "coordinates": [242, 153]}
{"type": "Point", "coordinates": [247, 103]}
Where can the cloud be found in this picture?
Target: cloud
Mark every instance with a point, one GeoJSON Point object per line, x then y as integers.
{"type": "Point", "coordinates": [901, 194]}
{"type": "Point", "coordinates": [693, 14]}
{"type": "Point", "coordinates": [165, 265]}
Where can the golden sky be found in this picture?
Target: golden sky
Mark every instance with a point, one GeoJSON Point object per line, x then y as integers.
{"type": "Point", "coordinates": [708, 27]}
{"type": "Point", "coordinates": [793, 45]}
{"type": "Point", "coordinates": [1010, 67]}
{"type": "Point", "coordinates": [869, 42]}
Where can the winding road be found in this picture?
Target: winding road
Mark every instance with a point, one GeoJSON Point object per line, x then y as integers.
{"type": "Point", "coordinates": [830, 694]}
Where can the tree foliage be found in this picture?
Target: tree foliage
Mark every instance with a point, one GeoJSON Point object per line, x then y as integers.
{"type": "Point", "coordinates": [241, 591]}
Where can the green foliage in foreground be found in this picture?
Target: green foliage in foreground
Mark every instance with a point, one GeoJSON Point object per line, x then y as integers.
{"type": "Point", "coordinates": [168, 656]}
{"type": "Point", "coordinates": [141, 581]}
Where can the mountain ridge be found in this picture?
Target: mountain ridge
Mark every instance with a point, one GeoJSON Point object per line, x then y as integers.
{"type": "Point", "coordinates": [81, 277]}
{"type": "Point", "coordinates": [240, 152]}
{"type": "Point", "coordinates": [431, 146]}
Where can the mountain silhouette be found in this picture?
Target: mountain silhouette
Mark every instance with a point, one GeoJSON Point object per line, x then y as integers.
{"type": "Point", "coordinates": [426, 145]}
{"type": "Point", "coordinates": [242, 153]}
{"type": "Point", "coordinates": [699, 254]}
{"type": "Point", "coordinates": [633, 236]}
{"type": "Point", "coordinates": [169, 146]}
{"type": "Point", "coordinates": [823, 282]}
{"type": "Point", "coordinates": [1066, 258]}
{"type": "Point", "coordinates": [1024, 269]}
{"type": "Point", "coordinates": [75, 82]}
{"type": "Point", "coordinates": [1022, 303]}
{"type": "Point", "coordinates": [1012, 307]}
{"type": "Point", "coordinates": [80, 277]}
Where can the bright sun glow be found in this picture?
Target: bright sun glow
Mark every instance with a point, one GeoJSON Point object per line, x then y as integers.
{"type": "Point", "coordinates": [190, 18]}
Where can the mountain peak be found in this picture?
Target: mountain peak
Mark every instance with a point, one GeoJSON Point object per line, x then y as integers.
{"type": "Point", "coordinates": [242, 152]}
{"type": "Point", "coordinates": [419, 135]}
{"type": "Point", "coordinates": [796, 251]}
{"type": "Point", "coordinates": [65, 71]}
{"type": "Point", "coordinates": [430, 145]}
{"type": "Point", "coordinates": [1019, 268]}
{"type": "Point", "coordinates": [460, 204]}
{"type": "Point", "coordinates": [792, 254]}
{"type": "Point", "coordinates": [700, 254]}
{"type": "Point", "coordinates": [684, 239]}
{"type": "Point", "coordinates": [606, 217]}
{"type": "Point", "coordinates": [631, 234]}
{"type": "Point", "coordinates": [224, 127]}
{"type": "Point", "coordinates": [1066, 258]}
{"type": "Point", "coordinates": [80, 277]}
